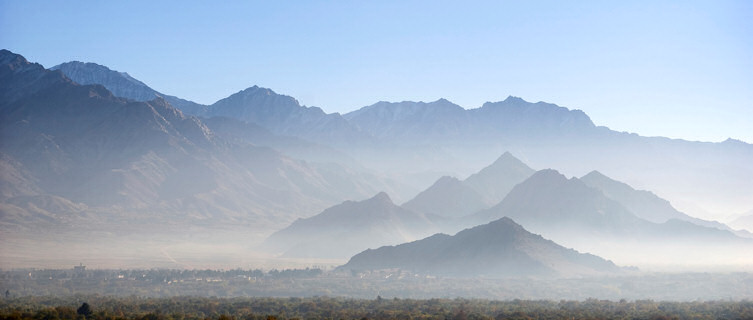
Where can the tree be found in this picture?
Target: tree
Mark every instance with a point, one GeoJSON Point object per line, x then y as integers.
{"type": "Point", "coordinates": [84, 310]}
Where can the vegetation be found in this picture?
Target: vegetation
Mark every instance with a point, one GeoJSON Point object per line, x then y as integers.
{"type": "Point", "coordinates": [343, 308]}
{"type": "Point", "coordinates": [160, 283]}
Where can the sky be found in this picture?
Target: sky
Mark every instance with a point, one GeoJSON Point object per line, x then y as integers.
{"type": "Point", "coordinates": [680, 69]}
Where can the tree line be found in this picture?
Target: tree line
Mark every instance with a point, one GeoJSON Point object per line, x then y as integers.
{"type": "Point", "coordinates": [112, 308]}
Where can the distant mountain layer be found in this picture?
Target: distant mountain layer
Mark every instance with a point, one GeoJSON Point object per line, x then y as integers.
{"type": "Point", "coordinates": [443, 119]}
{"type": "Point", "coordinates": [645, 204]}
{"type": "Point", "coordinates": [348, 228]}
{"type": "Point", "coordinates": [744, 222]}
{"type": "Point", "coordinates": [571, 213]}
{"type": "Point", "coordinates": [498, 249]}
{"type": "Point", "coordinates": [450, 197]}
{"type": "Point", "coordinates": [283, 114]}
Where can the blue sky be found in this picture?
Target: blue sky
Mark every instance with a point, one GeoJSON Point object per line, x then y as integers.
{"type": "Point", "coordinates": [682, 69]}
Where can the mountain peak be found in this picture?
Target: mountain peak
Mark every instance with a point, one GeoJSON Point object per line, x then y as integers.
{"type": "Point", "coordinates": [119, 83]}
{"type": "Point", "coordinates": [381, 197]}
{"type": "Point", "coordinates": [501, 248]}
{"type": "Point", "coordinates": [514, 100]}
{"type": "Point", "coordinates": [505, 163]}
{"type": "Point", "coordinates": [496, 180]}
{"type": "Point", "coordinates": [507, 159]}
{"type": "Point", "coordinates": [595, 174]}
{"type": "Point", "coordinates": [7, 57]}
{"type": "Point", "coordinates": [548, 176]}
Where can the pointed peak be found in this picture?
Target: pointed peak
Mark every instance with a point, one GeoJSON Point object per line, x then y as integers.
{"type": "Point", "coordinates": [255, 89]}
{"type": "Point", "coordinates": [507, 160]}
{"type": "Point", "coordinates": [595, 175]}
{"type": "Point", "coordinates": [381, 197]}
{"type": "Point", "coordinates": [506, 223]}
{"type": "Point", "coordinates": [8, 57]}
{"type": "Point", "coordinates": [444, 101]}
{"type": "Point", "coordinates": [507, 156]}
{"type": "Point", "coordinates": [514, 99]}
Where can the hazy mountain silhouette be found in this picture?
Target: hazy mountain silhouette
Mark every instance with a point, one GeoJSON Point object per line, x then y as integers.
{"type": "Point", "coordinates": [450, 197]}
{"type": "Point", "coordinates": [348, 228]}
{"type": "Point", "coordinates": [420, 142]}
{"type": "Point", "coordinates": [121, 84]}
{"type": "Point", "coordinates": [495, 181]}
{"type": "Point", "coordinates": [549, 203]}
{"type": "Point", "coordinates": [645, 204]}
{"type": "Point", "coordinates": [744, 221]}
{"type": "Point", "coordinates": [126, 158]}
{"type": "Point", "coordinates": [445, 136]}
{"type": "Point", "coordinates": [72, 152]}
{"type": "Point", "coordinates": [501, 248]}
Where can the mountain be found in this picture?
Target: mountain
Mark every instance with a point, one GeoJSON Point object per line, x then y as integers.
{"type": "Point", "coordinates": [410, 120]}
{"type": "Point", "coordinates": [517, 116]}
{"type": "Point", "coordinates": [350, 227]}
{"type": "Point", "coordinates": [283, 115]}
{"type": "Point", "coordinates": [549, 202]}
{"type": "Point", "coordinates": [418, 142]}
{"type": "Point", "coordinates": [499, 249]}
{"type": "Point", "coordinates": [124, 160]}
{"type": "Point", "coordinates": [442, 138]}
{"type": "Point", "coordinates": [744, 222]}
{"type": "Point", "coordinates": [450, 197]}
{"type": "Point", "coordinates": [121, 84]}
{"type": "Point", "coordinates": [573, 214]}
{"type": "Point", "coordinates": [444, 119]}
{"type": "Point", "coordinates": [239, 131]}
{"type": "Point", "coordinates": [645, 204]}
{"type": "Point", "coordinates": [495, 181]}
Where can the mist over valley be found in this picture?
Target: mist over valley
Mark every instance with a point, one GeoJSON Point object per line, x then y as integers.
{"type": "Point", "coordinates": [100, 169]}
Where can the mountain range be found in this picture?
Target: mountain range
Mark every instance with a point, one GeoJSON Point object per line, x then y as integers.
{"type": "Point", "coordinates": [86, 148]}
{"type": "Point", "coordinates": [346, 229]}
{"type": "Point", "coordinates": [418, 142]}
{"type": "Point", "coordinates": [124, 160]}
{"type": "Point", "coordinates": [569, 211]}
{"type": "Point", "coordinates": [450, 197]}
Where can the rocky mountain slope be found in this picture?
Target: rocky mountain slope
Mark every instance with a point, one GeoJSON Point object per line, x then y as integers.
{"type": "Point", "coordinates": [121, 84]}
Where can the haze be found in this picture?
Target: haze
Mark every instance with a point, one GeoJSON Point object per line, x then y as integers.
{"type": "Point", "coordinates": [527, 144]}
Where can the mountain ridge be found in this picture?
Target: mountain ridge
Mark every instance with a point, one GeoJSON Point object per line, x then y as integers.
{"type": "Point", "coordinates": [347, 228]}
{"type": "Point", "coordinates": [499, 249]}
